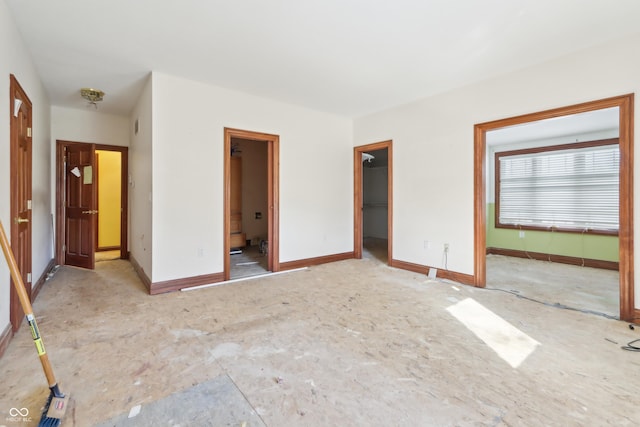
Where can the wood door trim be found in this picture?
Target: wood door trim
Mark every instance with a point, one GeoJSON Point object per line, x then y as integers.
{"type": "Point", "coordinates": [625, 103]}
{"type": "Point", "coordinates": [124, 201]}
{"type": "Point", "coordinates": [5, 338]}
{"type": "Point", "coordinates": [273, 195]}
{"type": "Point", "coordinates": [96, 173]}
{"type": "Point", "coordinates": [308, 262]}
{"type": "Point", "coordinates": [561, 259]}
{"type": "Point", "coordinates": [357, 196]}
{"type": "Point", "coordinates": [124, 195]}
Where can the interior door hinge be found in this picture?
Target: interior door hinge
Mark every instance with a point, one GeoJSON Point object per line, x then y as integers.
{"type": "Point", "coordinates": [28, 277]}
{"type": "Point", "coordinates": [28, 132]}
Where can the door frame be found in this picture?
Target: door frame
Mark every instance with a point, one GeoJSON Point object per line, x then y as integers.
{"type": "Point", "coordinates": [60, 191]}
{"type": "Point", "coordinates": [273, 195]}
{"type": "Point", "coordinates": [97, 173]}
{"type": "Point", "coordinates": [625, 233]}
{"type": "Point", "coordinates": [16, 313]}
{"type": "Point", "coordinates": [358, 196]}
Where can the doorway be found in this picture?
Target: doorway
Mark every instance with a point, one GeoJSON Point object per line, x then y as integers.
{"type": "Point", "coordinates": [574, 161]}
{"type": "Point", "coordinates": [373, 201]}
{"type": "Point", "coordinates": [251, 200]}
{"type": "Point", "coordinates": [20, 184]}
{"type": "Point", "coordinates": [625, 233]}
{"type": "Point", "coordinates": [91, 215]}
{"type": "Point", "coordinates": [109, 204]}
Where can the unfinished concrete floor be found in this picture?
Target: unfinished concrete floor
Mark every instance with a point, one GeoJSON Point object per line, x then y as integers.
{"type": "Point", "coordinates": [353, 343]}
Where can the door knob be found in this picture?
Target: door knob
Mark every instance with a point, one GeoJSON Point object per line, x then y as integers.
{"type": "Point", "coordinates": [20, 220]}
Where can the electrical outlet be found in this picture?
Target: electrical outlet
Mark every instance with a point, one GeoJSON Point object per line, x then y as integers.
{"type": "Point", "coordinates": [446, 247]}
{"type": "Point", "coordinates": [521, 234]}
{"type": "Point", "coordinates": [427, 244]}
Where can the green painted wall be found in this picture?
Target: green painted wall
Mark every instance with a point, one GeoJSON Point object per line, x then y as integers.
{"type": "Point", "coordinates": [588, 246]}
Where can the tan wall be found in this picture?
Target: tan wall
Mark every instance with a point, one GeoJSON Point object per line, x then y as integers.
{"type": "Point", "coordinates": [109, 198]}
{"type": "Point", "coordinates": [254, 188]}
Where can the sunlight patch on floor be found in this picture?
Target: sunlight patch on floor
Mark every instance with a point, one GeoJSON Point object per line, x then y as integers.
{"type": "Point", "coordinates": [510, 343]}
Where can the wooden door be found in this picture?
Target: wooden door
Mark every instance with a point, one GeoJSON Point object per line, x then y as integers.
{"type": "Point", "coordinates": [20, 171]}
{"type": "Point", "coordinates": [80, 205]}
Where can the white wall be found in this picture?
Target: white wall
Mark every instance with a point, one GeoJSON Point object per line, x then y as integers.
{"type": "Point", "coordinates": [140, 184]}
{"type": "Point", "coordinates": [433, 143]}
{"type": "Point", "coordinates": [316, 212]}
{"type": "Point", "coordinates": [89, 125]}
{"type": "Point", "coordinates": [16, 61]}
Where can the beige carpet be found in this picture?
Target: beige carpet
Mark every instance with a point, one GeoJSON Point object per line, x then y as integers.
{"type": "Point", "coordinates": [353, 343]}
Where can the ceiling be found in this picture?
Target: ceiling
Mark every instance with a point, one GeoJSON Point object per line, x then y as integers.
{"type": "Point", "coordinates": [348, 57]}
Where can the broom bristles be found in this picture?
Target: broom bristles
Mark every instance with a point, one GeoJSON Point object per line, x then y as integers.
{"type": "Point", "coordinates": [46, 421]}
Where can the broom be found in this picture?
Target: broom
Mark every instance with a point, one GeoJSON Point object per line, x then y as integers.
{"type": "Point", "coordinates": [56, 403]}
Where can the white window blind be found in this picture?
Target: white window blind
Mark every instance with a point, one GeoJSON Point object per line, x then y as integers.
{"type": "Point", "coordinates": [570, 188]}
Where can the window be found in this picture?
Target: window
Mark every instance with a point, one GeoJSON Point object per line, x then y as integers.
{"type": "Point", "coordinates": [571, 187]}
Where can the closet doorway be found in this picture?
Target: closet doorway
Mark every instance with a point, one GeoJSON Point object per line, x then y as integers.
{"type": "Point", "coordinates": [373, 201]}
{"type": "Point", "coordinates": [251, 244]}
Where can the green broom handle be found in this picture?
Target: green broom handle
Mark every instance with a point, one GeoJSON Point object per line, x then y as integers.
{"type": "Point", "coordinates": [26, 307]}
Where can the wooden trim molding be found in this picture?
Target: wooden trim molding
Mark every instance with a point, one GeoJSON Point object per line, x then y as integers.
{"type": "Point", "coordinates": [562, 259]}
{"type": "Point", "coordinates": [107, 248]}
{"type": "Point", "coordinates": [124, 197]}
{"type": "Point", "coordinates": [42, 279]}
{"type": "Point", "coordinates": [7, 334]}
{"type": "Point", "coordinates": [141, 273]}
{"type": "Point", "coordinates": [290, 265]}
{"type": "Point", "coordinates": [273, 195]}
{"type": "Point", "coordinates": [625, 104]}
{"type": "Point", "coordinates": [186, 282]}
{"type": "Point", "coordinates": [155, 288]}
{"type": "Point", "coordinates": [465, 279]}
{"type": "Point", "coordinates": [5, 338]}
{"type": "Point", "coordinates": [480, 206]}
{"type": "Point", "coordinates": [358, 195]}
